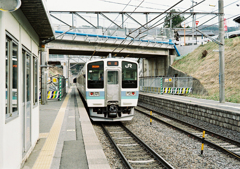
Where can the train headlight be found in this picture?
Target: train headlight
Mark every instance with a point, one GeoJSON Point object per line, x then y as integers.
{"type": "Point", "coordinates": [130, 93]}
{"type": "Point", "coordinates": [94, 93]}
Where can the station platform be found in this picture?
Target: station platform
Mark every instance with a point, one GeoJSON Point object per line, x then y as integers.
{"type": "Point", "coordinates": [226, 115]}
{"type": "Point", "coordinates": [209, 103]}
{"type": "Point", "coordinates": [66, 137]}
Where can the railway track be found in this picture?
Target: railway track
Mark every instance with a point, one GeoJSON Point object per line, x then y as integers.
{"type": "Point", "coordinates": [214, 140]}
{"type": "Point", "coordinates": [132, 150]}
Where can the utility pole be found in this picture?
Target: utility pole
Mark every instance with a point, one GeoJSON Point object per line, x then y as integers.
{"type": "Point", "coordinates": [221, 53]}
{"type": "Point", "coordinates": [193, 23]}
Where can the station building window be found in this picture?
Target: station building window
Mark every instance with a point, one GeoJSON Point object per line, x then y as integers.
{"type": "Point", "coordinates": [11, 76]}
{"type": "Point", "coordinates": [35, 80]}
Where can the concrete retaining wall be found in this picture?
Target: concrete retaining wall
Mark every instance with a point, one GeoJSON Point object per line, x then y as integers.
{"type": "Point", "coordinates": [222, 118]}
{"type": "Point", "coordinates": [184, 50]}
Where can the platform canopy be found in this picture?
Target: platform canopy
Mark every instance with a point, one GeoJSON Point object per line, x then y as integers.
{"type": "Point", "coordinates": [38, 16]}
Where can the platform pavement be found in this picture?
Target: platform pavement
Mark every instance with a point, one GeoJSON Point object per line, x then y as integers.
{"type": "Point", "coordinates": [69, 148]}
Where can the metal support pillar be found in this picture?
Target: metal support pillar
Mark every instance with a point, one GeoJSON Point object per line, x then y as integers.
{"type": "Point", "coordinates": [98, 20]}
{"type": "Point", "coordinates": [72, 19]}
{"type": "Point", "coordinates": [44, 77]}
{"type": "Point", "coordinates": [221, 53]}
{"type": "Point", "coordinates": [147, 22]}
{"type": "Point", "coordinates": [69, 71]}
{"type": "Point", "coordinates": [122, 20]}
{"type": "Point", "coordinates": [170, 21]}
{"type": "Point", "coordinates": [110, 55]}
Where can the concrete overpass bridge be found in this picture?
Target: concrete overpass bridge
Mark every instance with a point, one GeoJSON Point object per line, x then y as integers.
{"type": "Point", "coordinates": [157, 56]}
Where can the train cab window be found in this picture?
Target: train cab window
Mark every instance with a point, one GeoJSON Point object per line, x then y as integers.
{"type": "Point", "coordinates": [11, 76]}
{"type": "Point", "coordinates": [95, 75]}
{"type": "Point", "coordinates": [129, 75]}
{"type": "Point", "coordinates": [112, 77]}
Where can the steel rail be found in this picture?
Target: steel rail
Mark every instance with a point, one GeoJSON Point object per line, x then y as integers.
{"type": "Point", "coordinates": [196, 128]}
{"type": "Point", "coordinates": [156, 155]}
{"type": "Point", "coordinates": [124, 160]}
{"type": "Point", "coordinates": [146, 147]}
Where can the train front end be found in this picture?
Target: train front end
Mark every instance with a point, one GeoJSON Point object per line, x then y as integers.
{"type": "Point", "coordinates": [112, 89]}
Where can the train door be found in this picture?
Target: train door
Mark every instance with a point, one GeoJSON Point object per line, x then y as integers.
{"type": "Point", "coordinates": [26, 73]}
{"type": "Point", "coordinates": [112, 87]}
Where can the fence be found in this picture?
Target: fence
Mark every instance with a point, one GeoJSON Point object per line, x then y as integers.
{"type": "Point", "coordinates": [170, 85]}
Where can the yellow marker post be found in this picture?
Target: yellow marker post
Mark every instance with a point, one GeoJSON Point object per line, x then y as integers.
{"type": "Point", "coordinates": [150, 118]}
{"type": "Point", "coordinates": [203, 137]}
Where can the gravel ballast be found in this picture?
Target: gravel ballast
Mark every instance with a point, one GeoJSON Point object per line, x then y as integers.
{"type": "Point", "coordinates": [175, 147]}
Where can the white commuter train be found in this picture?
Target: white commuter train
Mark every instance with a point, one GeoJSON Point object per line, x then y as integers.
{"type": "Point", "coordinates": [110, 88]}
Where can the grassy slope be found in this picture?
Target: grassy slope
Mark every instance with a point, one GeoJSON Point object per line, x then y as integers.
{"type": "Point", "coordinates": [207, 69]}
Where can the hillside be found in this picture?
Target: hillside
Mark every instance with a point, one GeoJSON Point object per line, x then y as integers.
{"type": "Point", "coordinates": [207, 69]}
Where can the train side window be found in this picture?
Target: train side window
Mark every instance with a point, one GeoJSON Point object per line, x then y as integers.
{"type": "Point", "coordinates": [11, 76]}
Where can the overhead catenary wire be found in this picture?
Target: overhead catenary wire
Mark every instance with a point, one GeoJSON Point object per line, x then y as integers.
{"type": "Point", "coordinates": [175, 15]}
{"type": "Point", "coordinates": [214, 23]}
{"type": "Point", "coordinates": [215, 10]}
{"type": "Point", "coordinates": [162, 23]}
{"type": "Point", "coordinates": [109, 27]}
{"type": "Point", "coordinates": [130, 5]}
{"type": "Point", "coordinates": [117, 16]}
{"type": "Point", "coordinates": [198, 18]}
{"type": "Point", "coordinates": [146, 24]}
{"type": "Point", "coordinates": [123, 22]}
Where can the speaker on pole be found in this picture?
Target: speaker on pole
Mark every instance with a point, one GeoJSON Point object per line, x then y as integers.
{"type": "Point", "coordinates": [10, 5]}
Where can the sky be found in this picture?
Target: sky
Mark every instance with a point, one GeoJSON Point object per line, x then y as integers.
{"type": "Point", "coordinates": [147, 5]}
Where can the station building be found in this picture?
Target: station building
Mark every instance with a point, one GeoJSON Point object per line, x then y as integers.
{"type": "Point", "coordinates": [21, 34]}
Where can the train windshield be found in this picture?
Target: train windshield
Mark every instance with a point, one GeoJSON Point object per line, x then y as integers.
{"type": "Point", "coordinates": [129, 75]}
{"type": "Point", "coordinates": [95, 75]}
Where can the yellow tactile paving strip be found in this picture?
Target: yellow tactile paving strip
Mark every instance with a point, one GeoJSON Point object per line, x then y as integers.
{"type": "Point", "coordinates": [45, 157]}
{"type": "Point", "coordinates": [43, 135]}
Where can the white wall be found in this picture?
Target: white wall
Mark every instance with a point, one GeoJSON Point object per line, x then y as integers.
{"type": "Point", "coordinates": [2, 87]}
{"type": "Point", "coordinates": [11, 137]}
{"type": "Point", "coordinates": [189, 40]}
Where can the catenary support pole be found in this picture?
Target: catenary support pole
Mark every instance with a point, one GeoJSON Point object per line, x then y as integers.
{"type": "Point", "coordinates": [193, 23]}
{"type": "Point", "coordinates": [221, 52]}
{"type": "Point", "coordinates": [44, 74]}
{"type": "Point", "coordinates": [98, 20]}
{"type": "Point", "coordinates": [69, 71]}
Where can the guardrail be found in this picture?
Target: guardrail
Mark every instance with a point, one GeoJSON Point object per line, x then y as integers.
{"type": "Point", "coordinates": [167, 85]}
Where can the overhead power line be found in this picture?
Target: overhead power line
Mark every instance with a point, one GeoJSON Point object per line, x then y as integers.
{"type": "Point", "coordinates": [124, 21]}
{"type": "Point", "coordinates": [214, 24]}
{"type": "Point", "coordinates": [215, 10]}
{"type": "Point", "coordinates": [146, 24]}
{"type": "Point", "coordinates": [161, 23]}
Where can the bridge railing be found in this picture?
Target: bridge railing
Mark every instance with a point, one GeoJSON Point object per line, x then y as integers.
{"type": "Point", "coordinates": [167, 85]}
